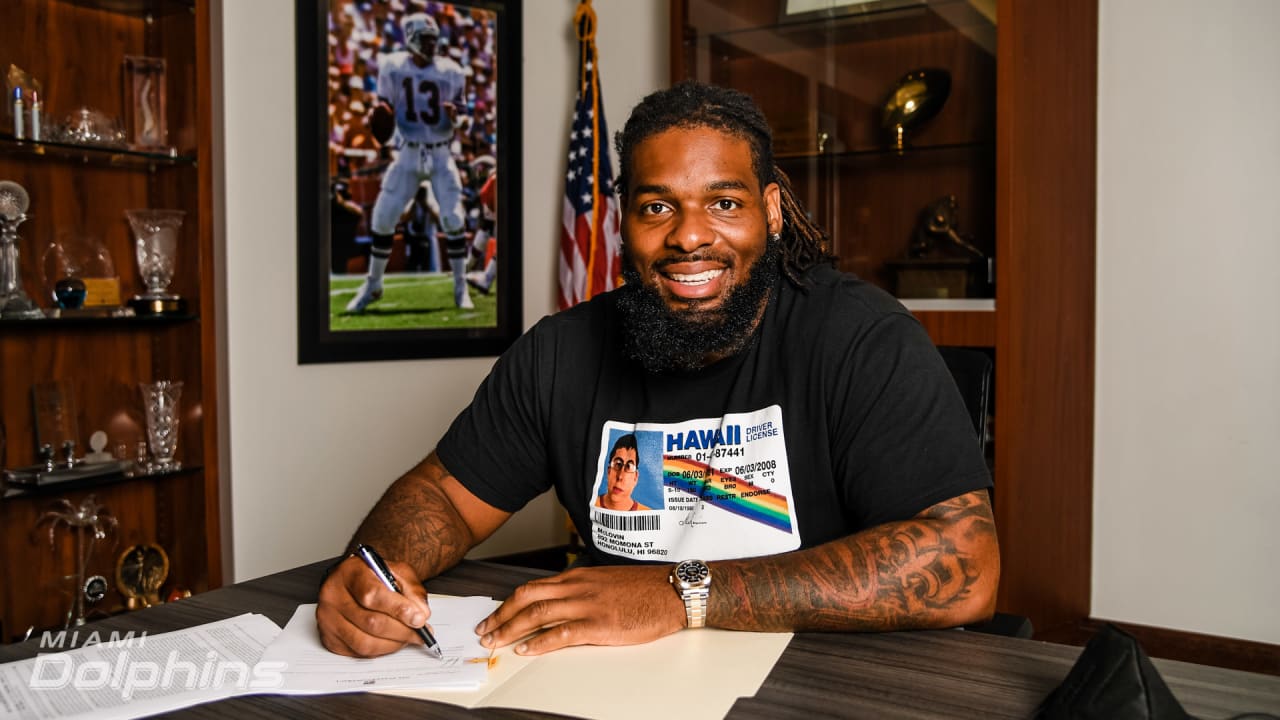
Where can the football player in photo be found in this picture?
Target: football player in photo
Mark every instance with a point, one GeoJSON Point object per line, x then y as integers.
{"type": "Point", "coordinates": [419, 94]}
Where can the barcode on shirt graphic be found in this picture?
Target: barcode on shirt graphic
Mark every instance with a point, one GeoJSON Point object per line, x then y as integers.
{"type": "Point", "coordinates": [627, 523]}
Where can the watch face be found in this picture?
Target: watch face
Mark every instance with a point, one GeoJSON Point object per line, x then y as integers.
{"type": "Point", "coordinates": [692, 572]}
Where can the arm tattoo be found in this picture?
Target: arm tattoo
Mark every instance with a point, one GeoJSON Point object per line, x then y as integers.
{"type": "Point", "coordinates": [415, 522]}
{"type": "Point", "coordinates": [937, 569]}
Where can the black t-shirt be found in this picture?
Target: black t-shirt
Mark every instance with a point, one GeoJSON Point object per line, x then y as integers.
{"type": "Point", "coordinates": [840, 415]}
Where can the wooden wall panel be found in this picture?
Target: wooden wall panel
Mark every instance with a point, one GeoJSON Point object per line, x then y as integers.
{"type": "Point", "coordinates": [1045, 308]}
{"type": "Point", "coordinates": [963, 328]}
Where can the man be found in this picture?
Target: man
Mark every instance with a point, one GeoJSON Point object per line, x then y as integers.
{"type": "Point", "coordinates": [816, 454]}
{"type": "Point", "coordinates": [622, 472]}
{"type": "Point", "coordinates": [486, 240]}
{"type": "Point", "coordinates": [422, 92]}
{"type": "Point", "coordinates": [345, 216]}
{"type": "Point", "coordinates": [420, 234]}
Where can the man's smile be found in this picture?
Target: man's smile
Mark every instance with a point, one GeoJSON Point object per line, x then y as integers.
{"type": "Point", "coordinates": [694, 280]}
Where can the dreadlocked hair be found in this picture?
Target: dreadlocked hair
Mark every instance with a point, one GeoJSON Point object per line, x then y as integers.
{"type": "Point", "coordinates": [804, 244]}
{"type": "Point", "coordinates": [692, 104]}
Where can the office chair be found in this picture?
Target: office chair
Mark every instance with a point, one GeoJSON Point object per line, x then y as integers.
{"type": "Point", "coordinates": [971, 370]}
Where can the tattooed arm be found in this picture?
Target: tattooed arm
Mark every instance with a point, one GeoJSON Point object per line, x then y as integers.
{"type": "Point", "coordinates": [938, 569]}
{"type": "Point", "coordinates": [423, 525]}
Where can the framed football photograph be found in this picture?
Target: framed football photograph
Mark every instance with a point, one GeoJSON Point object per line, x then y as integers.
{"type": "Point", "coordinates": [408, 179]}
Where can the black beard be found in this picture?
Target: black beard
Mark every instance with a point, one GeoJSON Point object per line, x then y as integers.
{"type": "Point", "coordinates": [666, 340]}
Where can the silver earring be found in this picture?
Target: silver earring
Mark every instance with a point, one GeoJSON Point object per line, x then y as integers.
{"type": "Point", "coordinates": [775, 237]}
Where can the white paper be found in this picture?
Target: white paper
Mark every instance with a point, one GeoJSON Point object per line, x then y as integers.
{"type": "Point", "coordinates": [142, 675]}
{"type": "Point", "coordinates": [608, 683]}
{"type": "Point", "coordinates": [308, 668]}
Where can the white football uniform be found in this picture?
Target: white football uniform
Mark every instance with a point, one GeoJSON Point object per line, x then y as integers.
{"type": "Point", "coordinates": [417, 96]}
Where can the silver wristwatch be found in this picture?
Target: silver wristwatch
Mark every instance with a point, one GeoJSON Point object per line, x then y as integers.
{"type": "Point", "coordinates": [692, 580]}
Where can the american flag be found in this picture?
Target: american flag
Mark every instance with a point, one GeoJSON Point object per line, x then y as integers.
{"type": "Point", "coordinates": [590, 244]}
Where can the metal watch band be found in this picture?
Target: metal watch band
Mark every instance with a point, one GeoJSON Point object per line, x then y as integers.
{"type": "Point", "coordinates": [695, 607]}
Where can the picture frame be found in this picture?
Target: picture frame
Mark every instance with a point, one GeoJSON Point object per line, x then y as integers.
{"type": "Point", "coordinates": [146, 125]}
{"type": "Point", "coordinates": [350, 57]}
{"type": "Point", "coordinates": [802, 10]}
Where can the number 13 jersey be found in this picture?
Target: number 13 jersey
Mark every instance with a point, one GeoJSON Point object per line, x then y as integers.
{"type": "Point", "coordinates": [418, 95]}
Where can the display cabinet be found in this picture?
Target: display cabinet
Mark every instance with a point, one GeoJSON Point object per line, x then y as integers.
{"type": "Point", "coordinates": [824, 79]}
{"type": "Point", "coordinates": [1007, 159]}
{"type": "Point", "coordinates": [141, 67]}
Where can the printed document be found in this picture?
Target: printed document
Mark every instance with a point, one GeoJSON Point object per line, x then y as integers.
{"type": "Point", "coordinates": [142, 675]}
{"type": "Point", "coordinates": [310, 669]}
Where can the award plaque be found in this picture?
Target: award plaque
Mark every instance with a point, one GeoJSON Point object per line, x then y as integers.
{"type": "Point", "coordinates": [140, 573]}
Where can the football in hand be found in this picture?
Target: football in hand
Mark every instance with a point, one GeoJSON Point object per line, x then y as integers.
{"type": "Point", "coordinates": [382, 123]}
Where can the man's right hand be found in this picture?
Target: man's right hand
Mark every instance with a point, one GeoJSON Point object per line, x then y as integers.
{"type": "Point", "coordinates": [359, 616]}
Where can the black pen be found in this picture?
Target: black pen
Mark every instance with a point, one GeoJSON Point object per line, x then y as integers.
{"type": "Point", "coordinates": [379, 568]}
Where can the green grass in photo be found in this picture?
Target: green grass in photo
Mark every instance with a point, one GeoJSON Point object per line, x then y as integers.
{"type": "Point", "coordinates": [410, 301]}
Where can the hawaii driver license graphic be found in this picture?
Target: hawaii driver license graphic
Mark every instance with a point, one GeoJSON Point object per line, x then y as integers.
{"type": "Point", "coordinates": [710, 488]}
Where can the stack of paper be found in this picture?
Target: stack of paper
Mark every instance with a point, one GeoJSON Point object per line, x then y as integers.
{"type": "Point", "coordinates": [249, 654]}
{"type": "Point", "coordinates": [308, 668]}
{"type": "Point", "coordinates": [142, 675]}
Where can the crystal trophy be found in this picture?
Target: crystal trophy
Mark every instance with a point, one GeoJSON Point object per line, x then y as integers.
{"type": "Point", "coordinates": [156, 236]}
{"type": "Point", "coordinates": [14, 302]}
{"type": "Point", "coordinates": [160, 399]}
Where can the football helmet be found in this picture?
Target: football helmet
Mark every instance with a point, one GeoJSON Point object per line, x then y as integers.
{"type": "Point", "coordinates": [421, 34]}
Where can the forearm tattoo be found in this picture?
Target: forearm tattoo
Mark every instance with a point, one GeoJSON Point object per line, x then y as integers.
{"type": "Point", "coordinates": [922, 572]}
{"type": "Point", "coordinates": [414, 522]}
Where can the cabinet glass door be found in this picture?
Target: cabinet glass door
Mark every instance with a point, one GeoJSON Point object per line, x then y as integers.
{"type": "Point", "coordinates": [824, 71]}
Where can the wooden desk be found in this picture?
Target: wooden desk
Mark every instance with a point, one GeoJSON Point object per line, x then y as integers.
{"type": "Point", "coordinates": [947, 673]}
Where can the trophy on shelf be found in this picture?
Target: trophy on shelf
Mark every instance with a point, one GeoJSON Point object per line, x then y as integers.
{"type": "Point", "coordinates": [916, 98]}
{"type": "Point", "coordinates": [14, 302]}
{"type": "Point", "coordinates": [88, 523]}
{"type": "Point", "coordinates": [57, 433]}
{"type": "Point", "coordinates": [941, 261]}
{"type": "Point", "coordinates": [140, 573]}
{"type": "Point", "coordinates": [80, 277]}
{"type": "Point", "coordinates": [145, 102]}
{"type": "Point", "coordinates": [160, 400]}
{"type": "Point", "coordinates": [156, 237]}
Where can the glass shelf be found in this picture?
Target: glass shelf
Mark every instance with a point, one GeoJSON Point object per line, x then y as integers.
{"type": "Point", "coordinates": [19, 491]}
{"type": "Point", "coordinates": [48, 323]}
{"type": "Point", "coordinates": [137, 8]}
{"type": "Point", "coordinates": [94, 154]}
{"type": "Point", "coordinates": [949, 304]}
{"type": "Point", "coordinates": [887, 151]}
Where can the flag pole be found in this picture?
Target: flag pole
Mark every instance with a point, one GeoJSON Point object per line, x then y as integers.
{"type": "Point", "coordinates": [584, 20]}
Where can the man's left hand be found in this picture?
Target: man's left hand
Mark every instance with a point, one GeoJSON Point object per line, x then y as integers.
{"type": "Point", "coordinates": [587, 606]}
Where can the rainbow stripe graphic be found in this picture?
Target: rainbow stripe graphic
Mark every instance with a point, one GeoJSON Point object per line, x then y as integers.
{"type": "Point", "coordinates": [759, 504]}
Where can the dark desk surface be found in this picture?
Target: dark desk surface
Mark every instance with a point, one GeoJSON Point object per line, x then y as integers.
{"type": "Point", "coordinates": [943, 674]}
